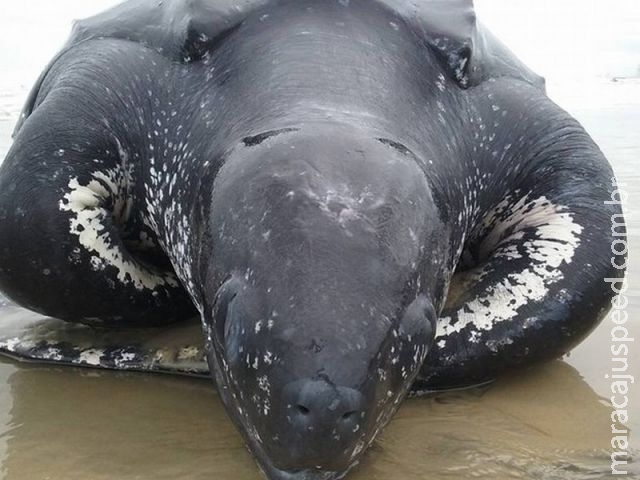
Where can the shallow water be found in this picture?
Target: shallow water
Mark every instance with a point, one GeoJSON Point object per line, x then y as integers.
{"type": "Point", "coordinates": [551, 422]}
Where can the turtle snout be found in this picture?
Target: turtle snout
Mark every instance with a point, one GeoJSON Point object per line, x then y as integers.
{"type": "Point", "coordinates": [317, 427]}
{"type": "Point", "coordinates": [315, 405]}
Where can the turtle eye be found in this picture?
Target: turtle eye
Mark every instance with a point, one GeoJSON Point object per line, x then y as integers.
{"type": "Point", "coordinates": [222, 308]}
{"type": "Point", "coordinates": [232, 336]}
{"type": "Point", "coordinates": [222, 320]}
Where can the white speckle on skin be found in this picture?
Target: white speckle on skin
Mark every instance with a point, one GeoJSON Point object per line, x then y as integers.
{"type": "Point", "coordinates": [10, 344]}
{"type": "Point", "coordinates": [268, 358]}
{"type": "Point", "coordinates": [91, 357]}
{"type": "Point", "coordinates": [189, 353]}
{"type": "Point", "coordinates": [263, 384]}
{"type": "Point", "coordinates": [124, 359]}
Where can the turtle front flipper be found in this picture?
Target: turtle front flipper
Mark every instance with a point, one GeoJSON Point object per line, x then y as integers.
{"type": "Point", "coordinates": [74, 243]}
{"type": "Point", "coordinates": [541, 261]}
{"type": "Point", "coordinates": [30, 337]}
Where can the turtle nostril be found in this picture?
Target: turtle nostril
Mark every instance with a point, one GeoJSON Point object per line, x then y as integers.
{"type": "Point", "coordinates": [302, 409]}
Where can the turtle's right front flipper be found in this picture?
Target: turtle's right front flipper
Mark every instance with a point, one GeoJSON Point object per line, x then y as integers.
{"type": "Point", "coordinates": [175, 349]}
{"type": "Point", "coordinates": [73, 238]}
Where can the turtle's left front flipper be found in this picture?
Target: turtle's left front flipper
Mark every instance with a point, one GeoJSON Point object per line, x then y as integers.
{"type": "Point", "coordinates": [545, 249]}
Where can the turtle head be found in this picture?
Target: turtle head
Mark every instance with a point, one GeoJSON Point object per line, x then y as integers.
{"type": "Point", "coordinates": [320, 310]}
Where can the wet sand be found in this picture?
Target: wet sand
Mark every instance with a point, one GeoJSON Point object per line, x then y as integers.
{"type": "Point", "coordinates": [550, 422]}
{"type": "Point", "coordinates": [78, 424]}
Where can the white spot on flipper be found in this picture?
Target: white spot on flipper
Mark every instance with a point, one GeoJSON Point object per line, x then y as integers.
{"type": "Point", "coordinates": [89, 222]}
{"type": "Point", "coordinates": [91, 356]}
{"type": "Point", "coordinates": [556, 238]}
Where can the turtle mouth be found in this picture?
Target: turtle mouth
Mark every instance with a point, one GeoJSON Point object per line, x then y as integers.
{"type": "Point", "coordinates": [269, 469]}
{"type": "Point", "coordinates": [273, 473]}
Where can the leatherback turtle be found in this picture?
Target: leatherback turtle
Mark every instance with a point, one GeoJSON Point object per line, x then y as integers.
{"type": "Point", "coordinates": [353, 197]}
